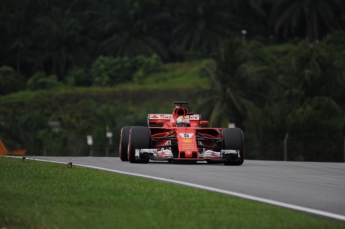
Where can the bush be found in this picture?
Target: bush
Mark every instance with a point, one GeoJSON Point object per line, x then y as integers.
{"type": "Point", "coordinates": [78, 77]}
{"type": "Point", "coordinates": [109, 71]}
{"type": "Point", "coordinates": [146, 67]}
{"type": "Point", "coordinates": [40, 81]}
{"type": "Point", "coordinates": [10, 81]}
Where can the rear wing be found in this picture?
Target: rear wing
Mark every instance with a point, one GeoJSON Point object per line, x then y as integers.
{"type": "Point", "coordinates": [157, 120]}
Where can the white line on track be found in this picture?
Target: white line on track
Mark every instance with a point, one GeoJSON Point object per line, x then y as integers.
{"type": "Point", "coordinates": [267, 201]}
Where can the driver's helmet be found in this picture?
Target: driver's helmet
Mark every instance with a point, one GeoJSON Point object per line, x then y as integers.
{"type": "Point", "coordinates": [182, 121]}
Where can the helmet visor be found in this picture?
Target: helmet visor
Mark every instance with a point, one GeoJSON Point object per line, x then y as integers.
{"type": "Point", "coordinates": [180, 124]}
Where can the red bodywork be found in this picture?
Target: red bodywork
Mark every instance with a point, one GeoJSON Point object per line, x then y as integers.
{"type": "Point", "coordinates": [185, 142]}
{"type": "Point", "coordinates": [189, 140]}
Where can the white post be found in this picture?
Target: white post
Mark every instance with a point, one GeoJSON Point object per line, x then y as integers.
{"type": "Point", "coordinates": [89, 142]}
{"type": "Point", "coordinates": [244, 32]}
{"type": "Point", "coordinates": [285, 146]}
{"type": "Point", "coordinates": [109, 136]}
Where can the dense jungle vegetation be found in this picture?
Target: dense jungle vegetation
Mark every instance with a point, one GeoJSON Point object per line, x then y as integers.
{"type": "Point", "coordinates": [275, 68]}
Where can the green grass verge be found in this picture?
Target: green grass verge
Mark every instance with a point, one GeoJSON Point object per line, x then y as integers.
{"type": "Point", "coordinates": [186, 74]}
{"type": "Point", "coordinates": [37, 194]}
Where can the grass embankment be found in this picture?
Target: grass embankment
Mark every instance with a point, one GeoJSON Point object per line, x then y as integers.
{"type": "Point", "coordinates": [175, 81]}
{"type": "Point", "coordinates": [47, 195]}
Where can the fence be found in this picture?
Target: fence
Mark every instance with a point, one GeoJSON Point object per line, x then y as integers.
{"type": "Point", "coordinates": [289, 146]}
{"type": "Point", "coordinates": [327, 147]}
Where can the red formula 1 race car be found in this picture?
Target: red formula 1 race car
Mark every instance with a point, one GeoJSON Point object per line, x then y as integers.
{"type": "Point", "coordinates": [180, 137]}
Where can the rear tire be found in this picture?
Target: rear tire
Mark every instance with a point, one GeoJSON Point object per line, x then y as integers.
{"type": "Point", "coordinates": [123, 148]}
{"type": "Point", "coordinates": [139, 138]}
{"type": "Point", "coordinates": [233, 139]}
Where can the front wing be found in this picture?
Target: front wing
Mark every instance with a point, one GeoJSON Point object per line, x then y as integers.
{"type": "Point", "coordinates": [166, 154]}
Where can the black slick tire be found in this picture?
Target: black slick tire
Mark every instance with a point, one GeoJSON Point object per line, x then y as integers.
{"type": "Point", "coordinates": [123, 147]}
{"type": "Point", "coordinates": [139, 138]}
{"type": "Point", "coordinates": [233, 139]}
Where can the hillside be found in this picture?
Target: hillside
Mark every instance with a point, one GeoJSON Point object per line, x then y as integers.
{"type": "Point", "coordinates": [90, 110]}
{"type": "Point", "coordinates": [176, 81]}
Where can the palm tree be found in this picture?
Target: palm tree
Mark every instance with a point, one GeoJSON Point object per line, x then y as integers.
{"type": "Point", "coordinates": [309, 15]}
{"type": "Point", "coordinates": [201, 26]}
{"type": "Point", "coordinates": [60, 43]}
{"type": "Point", "coordinates": [131, 28]}
{"type": "Point", "coordinates": [316, 85]}
{"type": "Point", "coordinates": [252, 15]}
{"type": "Point", "coordinates": [314, 73]}
{"type": "Point", "coordinates": [16, 24]}
{"type": "Point", "coordinates": [237, 83]}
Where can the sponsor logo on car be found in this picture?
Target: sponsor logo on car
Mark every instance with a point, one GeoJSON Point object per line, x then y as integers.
{"type": "Point", "coordinates": [194, 117]}
{"type": "Point", "coordinates": [186, 135]}
{"type": "Point", "coordinates": [161, 116]}
{"type": "Point", "coordinates": [187, 140]}
{"type": "Point", "coordinates": [161, 154]}
{"type": "Point", "coordinates": [213, 154]}
{"type": "Point", "coordinates": [169, 116]}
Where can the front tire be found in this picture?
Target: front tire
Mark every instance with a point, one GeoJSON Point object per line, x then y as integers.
{"type": "Point", "coordinates": [123, 147]}
{"type": "Point", "coordinates": [233, 139]}
{"type": "Point", "coordinates": [139, 138]}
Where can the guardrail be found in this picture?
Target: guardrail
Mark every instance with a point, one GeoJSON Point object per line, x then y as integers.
{"type": "Point", "coordinates": [296, 147]}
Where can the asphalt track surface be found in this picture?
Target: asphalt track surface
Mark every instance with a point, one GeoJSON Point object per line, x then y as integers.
{"type": "Point", "coordinates": [314, 187]}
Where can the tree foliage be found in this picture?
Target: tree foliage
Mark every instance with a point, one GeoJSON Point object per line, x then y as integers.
{"type": "Point", "coordinates": [107, 71]}
{"type": "Point", "coordinates": [310, 16]}
{"type": "Point", "coordinates": [57, 36]}
{"type": "Point", "coordinates": [285, 75]}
